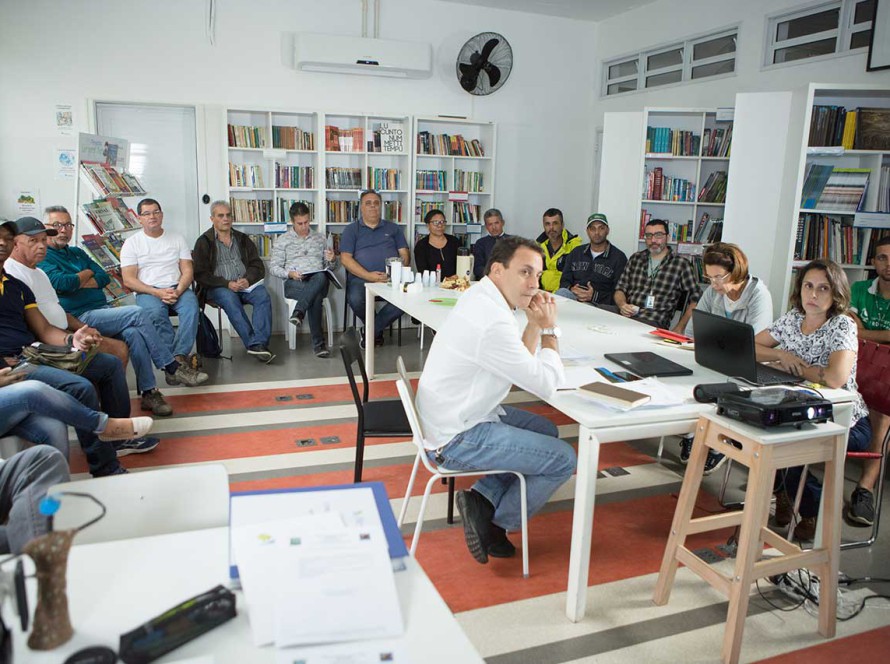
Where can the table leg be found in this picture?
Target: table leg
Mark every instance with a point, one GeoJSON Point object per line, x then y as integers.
{"type": "Point", "coordinates": [370, 333]}
{"type": "Point", "coordinates": [582, 524]}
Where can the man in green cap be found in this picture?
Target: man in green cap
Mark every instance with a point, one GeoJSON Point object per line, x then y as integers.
{"type": "Point", "coordinates": [592, 270]}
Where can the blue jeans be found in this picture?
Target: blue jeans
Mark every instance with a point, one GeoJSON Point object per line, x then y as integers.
{"type": "Point", "coordinates": [24, 480]}
{"type": "Point", "coordinates": [135, 327]}
{"type": "Point", "coordinates": [355, 295]}
{"type": "Point", "coordinates": [41, 414]}
{"type": "Point", "coordinates": [309, 294]}
{"type": "Point", "coordinates": [186, 307]}
{"type": "Point", "coordinates": [521, 441]}
{"type": "Point", "coordinates": [254, 332]}
{"type": "Point", "coordinates": [788, 479]}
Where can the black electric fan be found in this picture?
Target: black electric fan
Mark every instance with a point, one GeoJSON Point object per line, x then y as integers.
{"type": "Point", "coordinates": [484, 63]}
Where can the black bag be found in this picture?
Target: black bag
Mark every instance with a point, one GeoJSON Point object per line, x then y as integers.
{"type": "Point", "coordinates": [208, 340]}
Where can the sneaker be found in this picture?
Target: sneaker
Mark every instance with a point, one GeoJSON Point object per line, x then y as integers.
{"type": "Point", "coordinates": [476, 513]}
{"type": "Point", "coordinates": [322, 351]}
{"type": "Point", "coordinates": [685, 449]}
{"type": "Point", "coordinates": [261, 353]}
{"type": "Point", "coordinates": [862, 507]}
{"type": "Point", "coordinates": [784, 509]}
{"type": "Point", "coordinates": [806, 529]}
{"type": "Point", "coordinates": [297, 317]}
{"type": "Point", "coordinates": [155, 402]}
{"type": "Point", "coordinates": [116, 470]}
{"type": "Point", "coordinates": [136, 445]}
{"type": "Point", "coordinates": [186, 375]}
{"type": "Point", "coordinates": [500, 546]}
{"type": "Point", "coordinates": [713, 462]}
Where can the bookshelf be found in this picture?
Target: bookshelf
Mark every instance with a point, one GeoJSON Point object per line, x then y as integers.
{"type": "Point", "coordinates": [454, 167]}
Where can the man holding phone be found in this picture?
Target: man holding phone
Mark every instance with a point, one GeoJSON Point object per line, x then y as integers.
{"type": "Point", "coordinates": [592, 270]}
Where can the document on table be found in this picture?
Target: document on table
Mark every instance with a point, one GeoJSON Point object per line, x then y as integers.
{"type": "Point", "coordinates": [366, 652]}
{"type": "Point", "coordinates": [576, 376]}
{"type": "Point", "coordinates": [661, 395]}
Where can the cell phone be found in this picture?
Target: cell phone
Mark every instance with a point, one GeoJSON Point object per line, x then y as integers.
{"type": "Point", "coordinates": [608, 375]}
{"type": "Point", "coordinates": [21, 366]}
{"type": "Point", "coordinates": [625, 375]}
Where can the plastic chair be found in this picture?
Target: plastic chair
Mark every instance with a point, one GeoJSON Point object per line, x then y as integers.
{"type": "Point", "coordinates": [291, 329]}
{"type": "Point", "coordinates": [10, 445]}
{"type": "Point", "coordinates": [382, 418]}
{"type": "Point", "coordinates": [406, 393]}
{"type": "Point", "coordinates": [154, 502]}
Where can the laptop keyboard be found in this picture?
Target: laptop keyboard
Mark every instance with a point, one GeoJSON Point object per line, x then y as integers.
{"type": "Point", "coordinates": [770, 376]}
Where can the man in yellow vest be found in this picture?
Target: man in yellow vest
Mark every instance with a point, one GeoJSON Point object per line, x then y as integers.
{"type": "Point", "coordinates": [557, 244]}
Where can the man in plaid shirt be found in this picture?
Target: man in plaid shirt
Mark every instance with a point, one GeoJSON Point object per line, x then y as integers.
{"type": "Point", "coordinates": [655, 280]}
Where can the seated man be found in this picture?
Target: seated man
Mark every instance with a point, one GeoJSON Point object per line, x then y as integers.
{"type": "Point", "coordinates": [654, 280]}
{"type": "Point", "coordinates": [494, 224]}
{"type": "Point", "coordinates": [21, 323]}
{"type": "Point", "coordinates": [870, 308]}
{"type": "Point", "coordinates": [557, 244]}
{"type": "Point", "coordinates": [364, 248]}
{"type": "Point", "coordinates": [157, 265]}
{"type": "Point", "coordinates": [300, 258]}
{"type": "Point", "coordinates": [476, 357]}
{"type": "Point", "coordinates": [592, 270]}
{"type": "Point", "coordinates": [229, 272]}
{"type": "Point", "coordinates": [68, 286]}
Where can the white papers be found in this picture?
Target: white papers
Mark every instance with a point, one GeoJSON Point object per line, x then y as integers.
{"type": "Point", "coordinates": [252, 286]}
{"type": "Point", "coordinates": [369, 652]}
{"type": "Point", "coordinates": [576, 376]}
{"type": "Point", "coordinates": [662, 396]}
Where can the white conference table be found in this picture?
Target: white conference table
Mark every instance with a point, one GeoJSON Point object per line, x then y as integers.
{"type": "Point", "coordinates": [594, 332]}
{"type": "Point", "coordinates": [116, 586]}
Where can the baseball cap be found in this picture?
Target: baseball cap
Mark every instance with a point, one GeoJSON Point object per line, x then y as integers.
{"type": "Point", "coordinates": [29, 226]}
{"type": "Point", "coordinates": [596, 216]}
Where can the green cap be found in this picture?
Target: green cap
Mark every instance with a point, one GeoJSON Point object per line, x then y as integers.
{"type": "Point", "coordinates": [596, 216]}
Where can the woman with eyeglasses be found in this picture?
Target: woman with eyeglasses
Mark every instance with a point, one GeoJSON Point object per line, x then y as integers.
{"type": "Point", "coordinates": [436, 248]}
{"type": "Point", "coordinates": [817, 341]}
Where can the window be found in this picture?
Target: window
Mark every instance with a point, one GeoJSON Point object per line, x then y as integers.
{"type": "Point", "coordinates": [693, 59]}
{"type": "Point", "coordinates": [820, 30]}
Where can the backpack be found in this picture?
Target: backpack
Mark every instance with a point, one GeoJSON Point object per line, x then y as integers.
{"type": "Point", "coordinates": [207, 342]}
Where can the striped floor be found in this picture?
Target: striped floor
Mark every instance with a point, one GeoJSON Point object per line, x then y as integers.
{"type": "Point", "coordinates": [287, 433]}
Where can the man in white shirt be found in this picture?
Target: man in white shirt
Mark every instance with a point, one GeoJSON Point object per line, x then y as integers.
{"type": "Point", "coordinates": [477, 356]}
{"type": "Point", "coordinates": [156, 264]}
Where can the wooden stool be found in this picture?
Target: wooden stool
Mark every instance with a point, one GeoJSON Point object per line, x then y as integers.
{"type": "Point", "coordinates": [763, 451]}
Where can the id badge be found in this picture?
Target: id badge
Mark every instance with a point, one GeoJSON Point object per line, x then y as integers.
{"type": "Point", "coordinates": [650, 302]}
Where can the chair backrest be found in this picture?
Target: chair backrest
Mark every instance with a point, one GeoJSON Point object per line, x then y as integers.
{"type": "Point", "coordinates": [154, 502]}
{"type": "Point", "coordinates": [406, 394]}
{"type": "Point", "coordinates": [873, 375]}
{"type": "Point", "coordinates": [351, 352]}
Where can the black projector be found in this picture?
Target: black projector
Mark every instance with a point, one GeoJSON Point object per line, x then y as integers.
{"type": "Point", "coordinates": [774, 407]}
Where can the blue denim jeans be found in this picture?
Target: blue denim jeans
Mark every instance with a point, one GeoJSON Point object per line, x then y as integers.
{"type": "Point", "coordinates": [309, 294]}
{"type": "Point", "coordinates": [521, 441]}
{"type": "Point", "coordinates": [355, 295]}
{"type": "Point", "coordinates": [41, 414]}
{"type": "Point", "coordinates": [254, 332]}
{"type": "Point", "coordinates": [788, 479]}
{"type": "Point", "coordinates": [135, 327]}
{"type": "Point", "coordinates": [182, 341]}
{"type": "Point", "coordinates": [24, 480]}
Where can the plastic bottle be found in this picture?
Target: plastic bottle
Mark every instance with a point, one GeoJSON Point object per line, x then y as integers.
{"type": "Point", "coordinates": [438, 274]}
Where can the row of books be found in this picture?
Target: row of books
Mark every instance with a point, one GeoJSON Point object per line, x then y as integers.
{"type": "Point", "coordinates": [430, 180]}
{"type": "Point", "coordinates": [676, 142]}
{"type": "Point", "coordinates": [294, 177]}
{"type": "Point", "coordinates": [245, 136]}
{"type": "Point", "coordinates": [252, 210]}
{"type": "Point", "coordinates": [717, 142]}
{"type": "Point", "coordinates": [245, 175]}
{"type": "Point", "coordinates": [463, 239]}
{"type": "Point", "coordinates": [337, 177]}
{"type": "Point", "coordinates": [466, 213]}
{"type": "Point", "coordinates": [714, 190]}
{"type": "Point", "coordinates": [292, 138]}
{"type": "Point", "coordinates": [284, 205]}
{"type": "Point", "coordinates": [110, 215]}
{"type": "Point", "coordinates": [659, 187]}
{"type": "Point", "coordinates": [831, 126]}
{"type": "Point", "coordinates": [422, 208]}
{"type": "Point", "coordinates": [827, 236]}
{"type": "Point", "coordinates": [383, 179]}
{"type": "Point", "coordinates": [708, 230]}
{"type": "Point", "coordinates": [676, 232]}
{"type": "Point", "coordinates": [346, 212]}
{"type": "Point", "coordinates": [837, 189]}
{"type": "Point", "coordinates": [344, 140]}
{"type": "Point", "coordinates": [104, 249]}
{"type": "Point", "coordinates": [467, 181]}
{"type": "Point", "coordinates": [108, 181]}
{"type": "Point", "coordinates": [446, 144]}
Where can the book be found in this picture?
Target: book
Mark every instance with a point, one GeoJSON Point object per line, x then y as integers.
{"type": "Point", "coordinates": [873, 129]}
{"type": "Point", "coordinates": [816, 177]}
{"type": "Point", "coordinates": [613, 394]}
{"type": "Point", "coordinates": [844, 190]}
{"type": "Point", "coordinates": [329, 274]}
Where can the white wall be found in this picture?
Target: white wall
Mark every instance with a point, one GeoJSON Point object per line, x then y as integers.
{"type": "Point", "coordinates": [65, 52]}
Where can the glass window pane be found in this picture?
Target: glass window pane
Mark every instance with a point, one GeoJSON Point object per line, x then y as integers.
{"type": "Point", "coordinates": [860, 39]}
{"type": "Point", "coordinates": [719, 46]}
{"type": "Point", "coordinates": [666, 59]}
{"type": "Point", "coordinates": [804, 51]}
{"type": "Point", "coordinates": [808, 25]}
{"type": "Point", "coordinates": [664, 79]}
{"type": "Point", "coordinates": [624, 86]}
{"type": "Point", "coordinates": [864, 11]}
{"type": "Point", "coordinates": [621, 69]}
{"type": "Point", "coordinates": [713, 69]}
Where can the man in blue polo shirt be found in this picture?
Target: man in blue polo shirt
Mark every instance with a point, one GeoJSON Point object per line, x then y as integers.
{"type": "Point", "coordinates": [364, 248]}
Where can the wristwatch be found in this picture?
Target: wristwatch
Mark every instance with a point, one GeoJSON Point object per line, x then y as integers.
{"type": "Point", "coordinates": [551, 332]}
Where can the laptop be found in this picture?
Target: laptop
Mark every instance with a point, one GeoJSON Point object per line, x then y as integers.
{"type": "Point", "coordinates": [727, 346]}
{"type": "Point", "coordinates": [648, 364]}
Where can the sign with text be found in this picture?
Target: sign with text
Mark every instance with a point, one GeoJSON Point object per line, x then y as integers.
{"type": "Point", "coordinates": [392, 137]}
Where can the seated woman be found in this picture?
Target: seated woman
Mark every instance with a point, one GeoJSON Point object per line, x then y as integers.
{"type": "Point", "coordinates": [817, 341]}
{"type": "Point", "coordinates": [437, 248]}
{"type": "Point", "coordinates": [732, 292]}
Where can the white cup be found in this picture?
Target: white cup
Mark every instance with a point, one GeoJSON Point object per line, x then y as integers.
{"type": "Point", "coordinates": [396, 279]}
{"type": "Point", "coordinates": [407, 275]}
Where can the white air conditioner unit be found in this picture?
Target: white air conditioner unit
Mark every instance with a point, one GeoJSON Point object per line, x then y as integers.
{"type": "Point", "coordinates": [357, 55]}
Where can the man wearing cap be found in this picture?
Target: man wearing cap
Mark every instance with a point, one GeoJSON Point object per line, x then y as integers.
{"type": "Point", "coordinates": [557, 244]}
{"type": "Point", "coordinates": [78, 294]}
{"type": "Point", "coordinates": [21, 324]}
{"type": "Point", "coordinates": [494, 224]}
{"type": "Point", "coordinates": [592, 270]}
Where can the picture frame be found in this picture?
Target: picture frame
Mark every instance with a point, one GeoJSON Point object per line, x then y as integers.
{"type": "Point", "coordinates": [879, 44]}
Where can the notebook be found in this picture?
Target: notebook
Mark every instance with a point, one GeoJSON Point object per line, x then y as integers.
{"type": "Point", "coordinates": [648, 364]}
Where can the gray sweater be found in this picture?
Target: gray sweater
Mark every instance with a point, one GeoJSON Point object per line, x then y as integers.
{"type": "Point", "coordinates": [755, 306]}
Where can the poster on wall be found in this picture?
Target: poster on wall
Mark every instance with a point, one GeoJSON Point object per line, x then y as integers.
{"type": "Point", "coordinates": [27, 203]}
{"type": "Point", "coordinates": [105, 150]}
{"type": "Point", "coordinates": [65, 163]}
{"type": "Point", "coordinates": [392, 137]}
{"type": "Point", "coordinates": [64, 119]}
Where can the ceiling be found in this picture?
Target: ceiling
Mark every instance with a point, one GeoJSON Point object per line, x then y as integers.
{"type": "Point", "coordinates": [585, 10]}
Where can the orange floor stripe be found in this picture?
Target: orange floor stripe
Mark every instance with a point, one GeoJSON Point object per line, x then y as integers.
{"type": "Point", "coordinates": [871, 646]}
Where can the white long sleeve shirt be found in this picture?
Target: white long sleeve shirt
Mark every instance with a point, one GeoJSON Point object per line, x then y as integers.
{"type": "Point", "coordinates": [474, 360]}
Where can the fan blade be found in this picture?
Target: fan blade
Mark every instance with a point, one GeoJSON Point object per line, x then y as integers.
{"type": "Point", "coordinates": [468, 81]}
{"type": "Point", "coordinates": [494, 73]}
{"type": "Point", "coordinates": [490, 45]}
{"type": "Point", "coordinates": [469, 70]}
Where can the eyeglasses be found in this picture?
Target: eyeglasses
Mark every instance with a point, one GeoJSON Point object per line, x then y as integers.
{"type": "Point", "coordinates": [719, 279]}
{"type": "Point", "coordinates": [436, 222]}
{"type": "Point", "coordinates": [153, 213]}
{"type": "Point", "coordinates": [654, 236]}
{"type": "Point", "coordinates": [60, 226]}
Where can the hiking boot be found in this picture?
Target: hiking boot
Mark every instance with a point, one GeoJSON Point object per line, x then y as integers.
{"type": "Point", "coordinates": [685, 449]}
{"type": "Point", "coordinates": [784, 509]}
{"type": "Point", "coordinates": [261, 353]}
{"type": "Point", "coordinates": [476, 513]}
{"type": "Point", "coordinates": [136, 446]}
{"type": "Point", "coordinates": [154, 401]}
{"type": "Point", "coordinates": [713, 462]}
{"type": "Point", "coordinates": [862, 507]}
{"type": "Point", "coordinates": [806, 529]}
{"type": "Point", "coordinates": [187, 376]}
{"type": "Point", "coordinates": [500, 546]}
